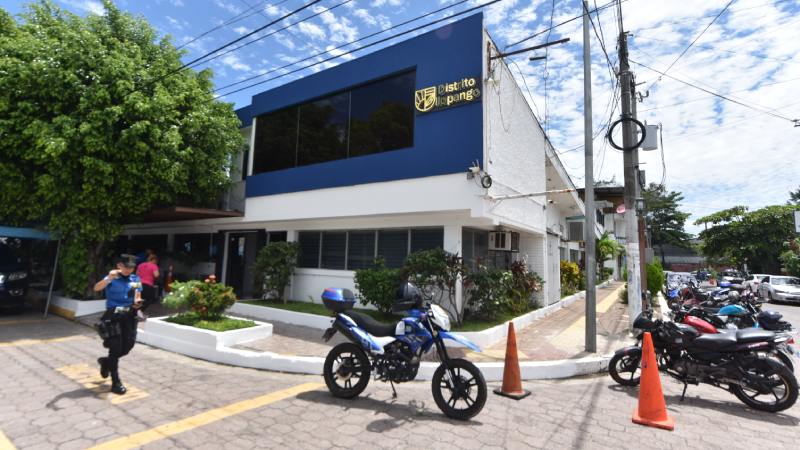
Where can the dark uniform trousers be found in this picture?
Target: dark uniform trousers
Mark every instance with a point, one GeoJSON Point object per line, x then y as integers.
{"type": "Point", "coordinates": [121, 345]}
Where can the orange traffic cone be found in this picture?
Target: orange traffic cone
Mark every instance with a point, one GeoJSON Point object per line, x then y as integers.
{"type": "Point", "coordinates": [512, 381]}
{"type": "Point", "coordinates": [652, 410]}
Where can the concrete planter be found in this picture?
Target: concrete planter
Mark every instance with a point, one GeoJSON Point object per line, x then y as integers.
{"type": "Point", "coordinates": [71, 308]}
{"type": "Point", "coordinates": [197, 342]}
{"type": "Point", "coordinates": [281, 315]}
{"type": "Point", "coordinates": [484, 338]}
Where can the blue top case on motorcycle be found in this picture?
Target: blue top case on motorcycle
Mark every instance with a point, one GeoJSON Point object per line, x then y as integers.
{"type": "Point", "coordinates": [338, 300]}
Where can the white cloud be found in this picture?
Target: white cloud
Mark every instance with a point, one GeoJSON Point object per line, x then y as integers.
{"type": "Point", "coordinates": [379, 3]}
{"type": "Point", "coordinates": [241, 30]}
{"type": "Point", "coordinates": [177, 3]}
{"type": "Point", "coordinates": [232, 61]}
{"type": "Point", "coordinates": [90, 6]}
{"type": "Point", "coordinates": [311, 30]}
{"type": "Point", "coordinates": [230, 7]}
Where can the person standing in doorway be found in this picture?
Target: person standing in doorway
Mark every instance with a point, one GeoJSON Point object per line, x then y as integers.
{"type": "Point", "coordinates": [148, 274]}
{"type": "Point", "coordinates": [123, 291]}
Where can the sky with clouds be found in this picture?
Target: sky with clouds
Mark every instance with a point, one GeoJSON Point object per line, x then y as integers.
{"type": "Point", "coordinates": [716, 152]}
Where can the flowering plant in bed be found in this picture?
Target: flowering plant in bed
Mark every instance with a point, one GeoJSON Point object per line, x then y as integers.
{"type": "Point", "coordinates": [206, 302]}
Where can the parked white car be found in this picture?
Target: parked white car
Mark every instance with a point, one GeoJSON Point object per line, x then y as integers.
{"type": "Point", "coordinates": [752, 281]}
{"type": "Point", "coordinates": [780, 288]}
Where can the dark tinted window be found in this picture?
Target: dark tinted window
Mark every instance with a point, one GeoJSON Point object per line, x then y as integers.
{"type": "Point", "coordinates": [360, 249]}
{"type": "Point", "coordinates": [393, 247]}
{"type": "Point", "coordinates": [194, 246]}
{"type": "Point", "coordinates": [323, 130]}
{"type": "Point", "coordinates": [309, 249]}
{"type": "Point", "coordinates": [426, 239]}
{"type": "Point", "coordinates": [334, 248]}
{"type": "Point", "coordinates": [372, 118]}
{"type": "Point", "coordinates": [276, 141]}
{"type": "Point", "coordinates": [382, 115]}
{"type": "Point", "coordinates": [276, 236]}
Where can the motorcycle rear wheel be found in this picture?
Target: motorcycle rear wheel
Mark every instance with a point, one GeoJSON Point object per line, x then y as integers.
{"type": "Point", "coordinates": [621, 365]}
{"type": "Point", "coordinates": [467, 390]}
{"type": "Point", "coordinates": [781, 383]}
{"type": "Point", "coordinates": [344, 363]}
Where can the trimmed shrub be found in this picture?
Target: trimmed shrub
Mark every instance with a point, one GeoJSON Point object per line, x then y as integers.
{"type": "Point", "coordinates": [273, 269]}
{"type": "Point", "coordinates": [377, 286]}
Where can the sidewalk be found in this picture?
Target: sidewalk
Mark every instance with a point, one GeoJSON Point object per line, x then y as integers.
{"type": "Point", "coordinates": [557, 336]}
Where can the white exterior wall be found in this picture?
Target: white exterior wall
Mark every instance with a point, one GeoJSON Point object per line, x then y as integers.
{"type": "Point", "coordinates": [514, 154]}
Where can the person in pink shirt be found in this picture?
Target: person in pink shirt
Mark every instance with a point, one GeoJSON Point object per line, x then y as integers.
{"type": "Point", "coordinates": [148, 274]}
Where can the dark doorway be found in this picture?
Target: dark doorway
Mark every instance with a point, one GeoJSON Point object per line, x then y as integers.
{"type": "Point", "coordinates": [242, 248]}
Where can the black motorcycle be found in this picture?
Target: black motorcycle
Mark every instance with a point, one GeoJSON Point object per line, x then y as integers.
{"type": "Point", "coordinates": [738, 361]}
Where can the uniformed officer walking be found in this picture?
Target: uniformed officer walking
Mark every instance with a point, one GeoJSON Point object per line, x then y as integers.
{"type": "Point", "coordinates": [123, 291]}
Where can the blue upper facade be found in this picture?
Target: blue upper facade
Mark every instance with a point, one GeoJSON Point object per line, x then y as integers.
{"type": "Point", "coordinates": [445, 141]}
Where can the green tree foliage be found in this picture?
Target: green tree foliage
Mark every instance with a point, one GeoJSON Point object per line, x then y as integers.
{"type": "Point", "coordinates": [666, 222]}
{"type": "Point", "coordinates": [794, 197]}
{"type": "Point", "coordinates": [790, 258]}
{"type": "Point", "coordinates": [96, 130]}
{"type": "Point", "coordinates": [274, 267]}
{"type": "Point", "coordinates": [571, 278]}
{"type": "Point", "coordinates": [755, 238]}
{"type": "Point", "coordinates": [437, 273]}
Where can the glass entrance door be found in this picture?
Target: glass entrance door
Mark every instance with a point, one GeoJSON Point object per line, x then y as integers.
{"type": "Point", "coordinates": [242, 248]}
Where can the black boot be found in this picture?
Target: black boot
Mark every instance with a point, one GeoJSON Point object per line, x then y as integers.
{"type": "Point", "coordinates": [116, 385]}
{"type": "Point", "coordinates": [103, 366]}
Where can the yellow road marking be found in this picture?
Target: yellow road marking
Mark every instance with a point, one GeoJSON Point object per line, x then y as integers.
{"type": "Point", "coordinates": [170, 429]}
{"type": "Point", "coordinates": [21, 342]}
{"type": "Point", "coordinates": [577, 328]}
{"type": "Point", "coordinates": [89, 377]}
{"type": "Point", "coordinates": [20, 321]}
{"type": "Point", "coordinates": [5, 443]}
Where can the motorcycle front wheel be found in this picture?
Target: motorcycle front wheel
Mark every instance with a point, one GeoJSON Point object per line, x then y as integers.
{"type": "Point", "coordinates": [625, 369]}
{"type": "Point", "coordinates": [346, 370]}
{"type": "Point", "coordinates": [775, 388]}
{"type": "Point", "coordinates": [461, 396]}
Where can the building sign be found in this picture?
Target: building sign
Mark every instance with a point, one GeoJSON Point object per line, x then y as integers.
{"type": "Point", "coordinates": [447, 95]}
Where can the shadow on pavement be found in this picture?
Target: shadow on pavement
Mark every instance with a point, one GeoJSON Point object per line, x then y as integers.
{"type": "Point", "coordinates": [76, 394]}
{"type": "Point", "coordinates": [733, 407]}
{"type": "Point", "coordinates": [398, 413]}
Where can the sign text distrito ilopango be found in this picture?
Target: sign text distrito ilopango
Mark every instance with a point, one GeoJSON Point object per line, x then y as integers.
{"type": "Point", "coordinates": [447, 95]}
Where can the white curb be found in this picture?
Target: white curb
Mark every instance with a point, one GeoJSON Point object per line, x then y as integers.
{"type": "Point", "coordinates": [217, 347]}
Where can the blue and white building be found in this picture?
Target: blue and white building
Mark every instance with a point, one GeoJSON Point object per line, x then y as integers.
{"type": "Point", "coordinates": [385, 155]}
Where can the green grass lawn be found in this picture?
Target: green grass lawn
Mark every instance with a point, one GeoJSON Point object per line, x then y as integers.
{"type": "Point", "coordinates": [320, 310]}
{"type": "Point", "coordinates": [223, 324]}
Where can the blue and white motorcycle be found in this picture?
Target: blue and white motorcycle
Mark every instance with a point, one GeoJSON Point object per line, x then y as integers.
{"type": "Point", "coordinates": [459, 388]}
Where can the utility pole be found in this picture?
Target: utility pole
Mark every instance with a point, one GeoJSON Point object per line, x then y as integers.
{"type": "Point", "coordinates": [630, 160]}
{"type": "Point", "coordinates": [640, 219]}
{"type": "Point", "coordinates": [588, 231]}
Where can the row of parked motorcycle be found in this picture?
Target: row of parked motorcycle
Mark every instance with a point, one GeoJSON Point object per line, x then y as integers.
{"type": "Point", "coordinates": [718, 336]}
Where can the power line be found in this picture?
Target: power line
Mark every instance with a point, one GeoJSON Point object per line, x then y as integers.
{"type": "Point", "coordinates": [794, 121]}
{"type": "Point", "coordinates": [253, 10]}
{"type": "Point", "coordinates": [340, 46]}
{"type": "Point", "coordinates": [289, 14]}
{"type": "Point", "coordinates": [546, 59]}
{"type": "Point", "coordinates": [693, 19]}
{"type": "Point", "coordinates": [711, 47]}
{"type": "Point", "coordinates": [539, 33]}
{"type": "Point", "coordinates": [695, 40]}
{"type": "Point", "coordinates": [483, 5]}
{"type": "Point", "coordinates": [724, 93]}
{"type": "Point", "coordinates": [320, 12]}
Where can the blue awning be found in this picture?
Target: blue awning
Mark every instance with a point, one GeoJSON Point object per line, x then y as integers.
{"type": "Point", "coordinates": [24, 233]}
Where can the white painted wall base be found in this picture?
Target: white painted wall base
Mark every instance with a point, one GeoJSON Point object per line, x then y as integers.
{"type": "Point", "coordinates": [74, 307]}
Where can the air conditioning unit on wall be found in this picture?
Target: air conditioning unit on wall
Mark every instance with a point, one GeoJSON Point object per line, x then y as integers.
{"type": "Point", "coordinates": [507, 241]}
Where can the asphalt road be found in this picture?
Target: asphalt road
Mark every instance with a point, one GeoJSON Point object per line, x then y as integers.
{"type": "Point", "coordinates": [791, 312]}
